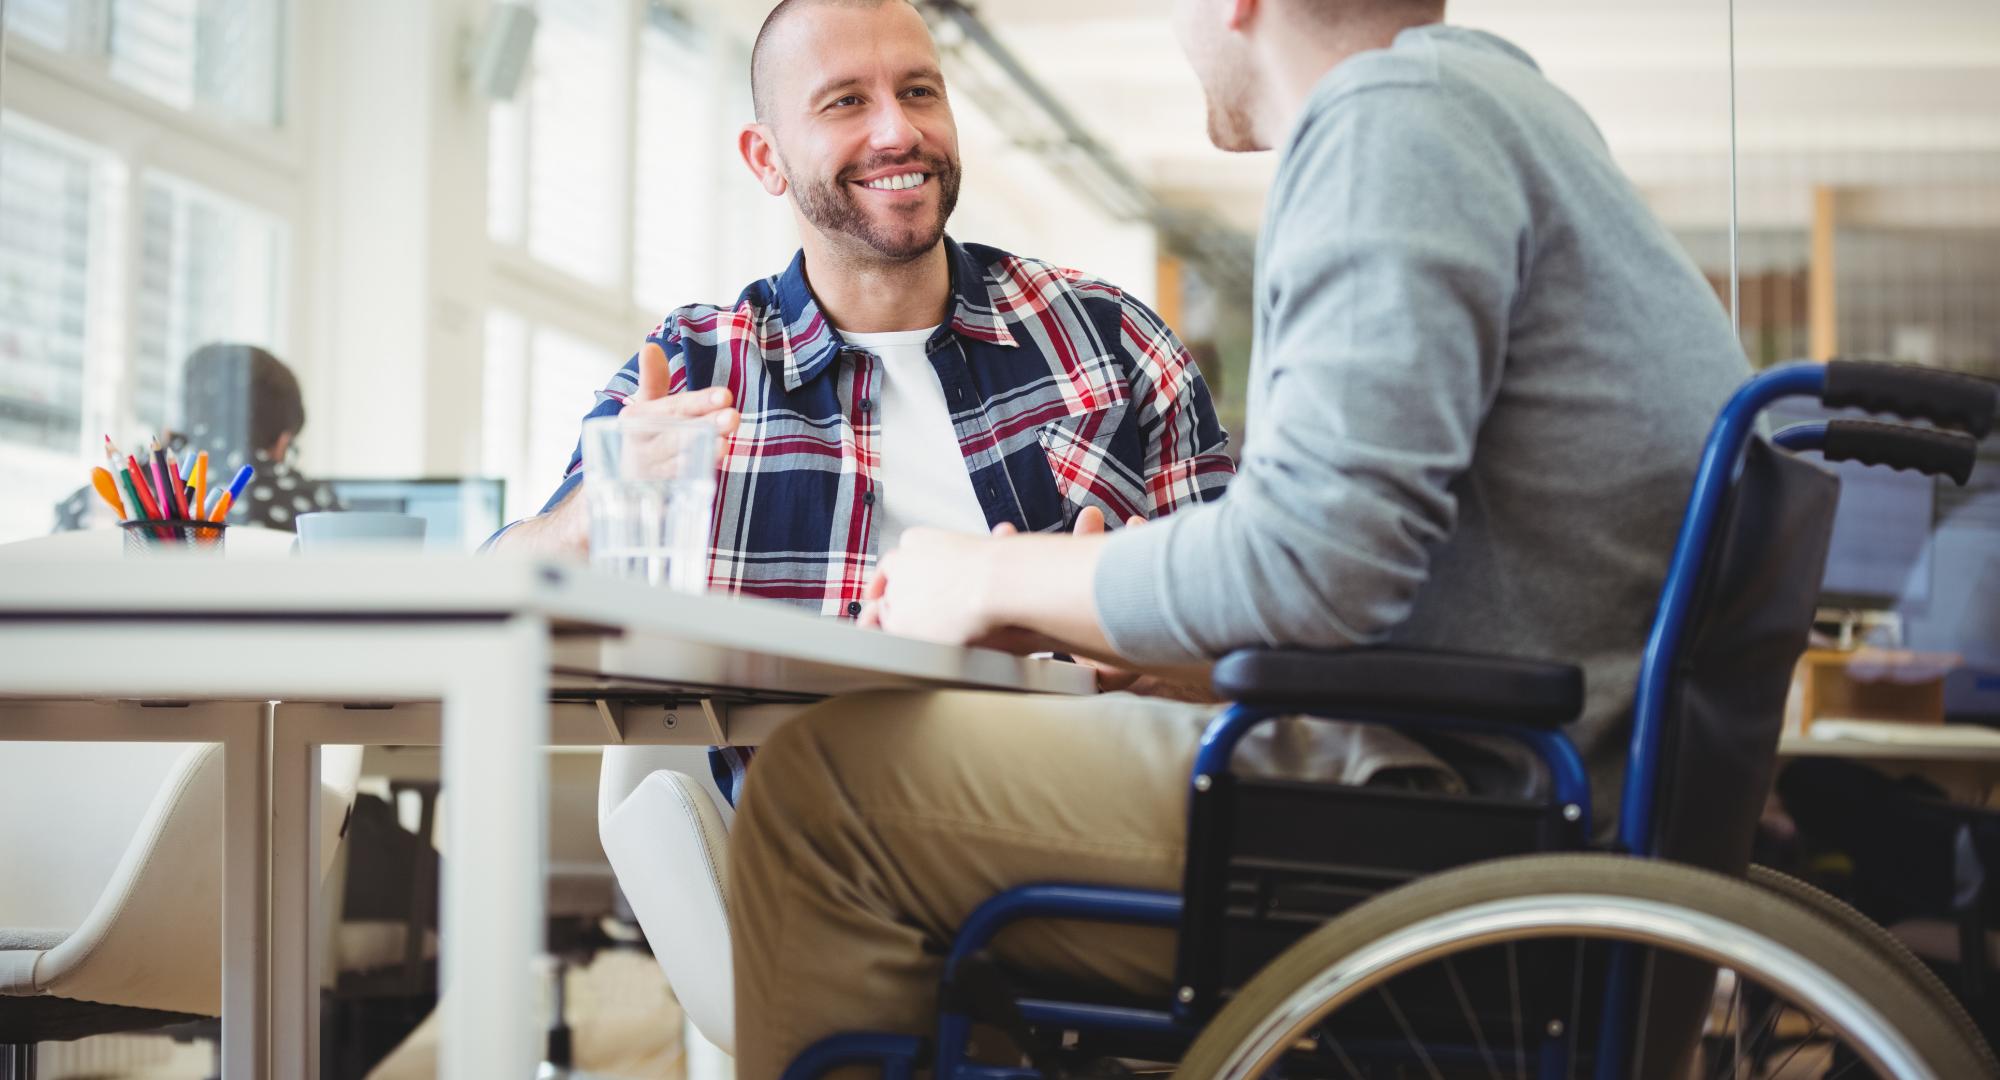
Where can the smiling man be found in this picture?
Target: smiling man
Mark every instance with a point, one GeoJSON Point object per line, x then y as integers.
{"type": "Point", "coordinates": [892, 377]}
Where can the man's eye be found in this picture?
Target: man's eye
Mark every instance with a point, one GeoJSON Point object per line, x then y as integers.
{"type": "Point", "coordinates": [921, 91]}
{"type": "Point", "coordinates": [851, 99]}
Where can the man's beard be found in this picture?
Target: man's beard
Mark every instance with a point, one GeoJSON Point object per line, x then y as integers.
{"type": "Point", "coordinates": [1226, 86]}
{"type": "Point", "coordinates": [1229, 128]}
{"type": "Point", "coordinates": [833, 207]}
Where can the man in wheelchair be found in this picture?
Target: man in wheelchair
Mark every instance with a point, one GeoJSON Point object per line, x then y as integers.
{"type": "Point", "coordinates": [1481, 382]}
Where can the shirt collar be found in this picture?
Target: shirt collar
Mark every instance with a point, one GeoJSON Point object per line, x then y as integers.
{"type": "Point", "coordinates": [811, 342]}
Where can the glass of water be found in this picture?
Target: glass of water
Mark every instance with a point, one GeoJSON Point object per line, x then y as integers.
{"type": "Point", "coordinates": [649, 484]}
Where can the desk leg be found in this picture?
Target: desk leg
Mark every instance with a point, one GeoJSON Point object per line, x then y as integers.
{"type": "Point", "coordinates": [295, 894]}
{"type": "Point", "coordinates": [246, 896]}
{"type": "Point", "coordinates": [496, 721]}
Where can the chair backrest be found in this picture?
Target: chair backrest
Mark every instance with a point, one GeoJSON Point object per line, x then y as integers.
{"type": "Point", "coordinates": [68, 812]}
{"type": "Point", "coordinates": [1751, 614]}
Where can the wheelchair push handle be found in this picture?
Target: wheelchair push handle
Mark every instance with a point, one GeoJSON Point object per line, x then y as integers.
{"type": "Point", "coordinates": [1927, 450]}
{"type": "Point", "coordinates": [1947, 398]}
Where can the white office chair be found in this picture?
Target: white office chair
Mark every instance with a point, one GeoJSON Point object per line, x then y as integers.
{"type": "Point", "coordinates": [112, 852]}
{"type": "Point", "coordinates": [665, 827]}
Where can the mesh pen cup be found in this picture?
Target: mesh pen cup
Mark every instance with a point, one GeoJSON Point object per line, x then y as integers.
{"type": "Point", "coordinates": [173, 535]}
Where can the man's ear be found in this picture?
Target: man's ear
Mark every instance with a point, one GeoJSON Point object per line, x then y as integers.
{"type": "Point", "coordinates": [760, 153]}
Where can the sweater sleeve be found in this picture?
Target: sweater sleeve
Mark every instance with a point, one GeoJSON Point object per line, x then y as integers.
{"type": "Point", "coordinates": [1396, 239]}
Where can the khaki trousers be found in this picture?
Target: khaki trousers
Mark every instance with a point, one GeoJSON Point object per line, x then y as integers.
{"type": "Point", "coordinates": [874, 824]}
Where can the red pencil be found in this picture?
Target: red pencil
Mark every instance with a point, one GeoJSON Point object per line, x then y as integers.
{"type": "Point", "coordinates": [147, 503]}
{"type": "Point", "coordinates": [179, 489]}
{"type": "Point", "coordinates": [148, 507]}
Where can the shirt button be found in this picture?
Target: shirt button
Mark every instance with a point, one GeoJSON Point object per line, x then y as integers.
{"type": "Point", "coordinates": [867, 404]}
{"type": "Point", "coordinates": [868, 498]}
{"type": "Point", "coordinates": [854, 607]}
{"type": "Point", "coordinates": [992, 492]}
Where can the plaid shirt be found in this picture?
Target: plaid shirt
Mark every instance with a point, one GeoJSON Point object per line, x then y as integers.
{"type": "Point", "coordinates": [1065, 393]}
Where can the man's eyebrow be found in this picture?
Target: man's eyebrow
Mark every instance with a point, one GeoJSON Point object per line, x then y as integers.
{"type": "Point", "coordinates": [831, 85]}
{"type": "Point", "coordinates": [851, 81]}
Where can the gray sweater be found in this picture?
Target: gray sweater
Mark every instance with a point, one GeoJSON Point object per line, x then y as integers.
{"type": "Point", "coordinates": [1481, 380]}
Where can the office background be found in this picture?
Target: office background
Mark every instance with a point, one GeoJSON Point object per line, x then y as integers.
{"type": "Point", "coordinates": [453, 275]}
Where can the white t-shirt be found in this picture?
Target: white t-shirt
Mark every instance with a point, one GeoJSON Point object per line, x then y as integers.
{"type": "Point", "coordinates": [922, 474]}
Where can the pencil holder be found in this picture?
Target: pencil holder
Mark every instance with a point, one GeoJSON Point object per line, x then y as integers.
{"type": "Point", "coordinates": [173, 535]}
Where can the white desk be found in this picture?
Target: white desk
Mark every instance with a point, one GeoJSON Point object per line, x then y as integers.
{"type": "Point", "coordinates": [469, 652]}
{"type": "Point", "coordinates": [1892, 742]}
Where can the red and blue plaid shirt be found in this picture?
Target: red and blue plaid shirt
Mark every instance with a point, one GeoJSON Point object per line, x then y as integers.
{"type": "Point", "coordinates": [1065, 393]}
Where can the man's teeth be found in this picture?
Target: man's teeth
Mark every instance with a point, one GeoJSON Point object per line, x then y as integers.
{"type": "Point", "coordinates": [902, 182]}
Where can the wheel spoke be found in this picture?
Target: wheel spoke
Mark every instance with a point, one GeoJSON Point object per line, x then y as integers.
{"type": "Point", "coordinates": [1645, 1013]}
{"type": "Point", "coordinates": [1735, 1028]}
{"type": "Point", "coordinates": [1765, 1029]}
{"type": "Point", "coordinates": [1471, 1019]}
{"type": "Point", "coordinates": [1575, 1010]}
{"type": "Point", "coordinates": [1514, 1005]}
{"type": "Point", "coordinates": [1409, 1034]}
{"type": "Point", "coordinates": [1803, 1043]}
{"type": "Point", "coordinates": [1327, 1043]}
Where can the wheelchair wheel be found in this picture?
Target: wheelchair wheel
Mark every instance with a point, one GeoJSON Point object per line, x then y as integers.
{"type": "Point", "coordinates": [1500, 970]}
{"type": "Point", "coordinates": [1862, 928]}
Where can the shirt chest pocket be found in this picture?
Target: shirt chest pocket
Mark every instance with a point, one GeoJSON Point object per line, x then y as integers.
{"type": "Point", "coordinates": [1094, 452]}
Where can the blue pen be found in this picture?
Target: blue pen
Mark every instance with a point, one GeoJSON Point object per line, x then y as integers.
{"type": "Point", "coordinates": [241, 481]}
{"type": "Point", "coordinates": [224, 500]}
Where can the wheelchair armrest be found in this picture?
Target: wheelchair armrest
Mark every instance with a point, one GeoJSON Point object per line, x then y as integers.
{"type": "Point", "coordinates": [1391, 683]}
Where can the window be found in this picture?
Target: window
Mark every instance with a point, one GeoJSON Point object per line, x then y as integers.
{"type": "Point", "coordinates": [554, 163]}
{"type": "Point", "coordinates": [112, 268]}
{"type": "Point", "coordinates": [539, 383]}
{"type": "Point", "coordinates": [208, 271]}
{"type": "Point", "coordinates": [44, 22]}
{"type": "Point", "coordinates": [605, 168]}
{"type": "Point", "coordinates": [218, 57]}
{"type": "Point", "coordinates": [52, 189]}
{"type": "Point", "coordinates": [676, 160]}
{"type": "Point", "coordinates": [45, 234]}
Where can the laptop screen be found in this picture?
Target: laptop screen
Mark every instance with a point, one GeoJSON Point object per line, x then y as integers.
{"type": "Point", "coordinates": [459, 512]}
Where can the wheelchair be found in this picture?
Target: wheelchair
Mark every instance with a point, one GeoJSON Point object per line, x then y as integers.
{"type": "Point", "coordinates": [1479, 936]}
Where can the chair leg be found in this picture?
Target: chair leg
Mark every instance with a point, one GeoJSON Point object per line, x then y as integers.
{"type": "Point", "coordinates": [17, 1062]}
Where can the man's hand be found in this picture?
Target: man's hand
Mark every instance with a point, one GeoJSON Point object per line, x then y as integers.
{"type": "Point", "coordinates": [954, 588]}
{"type": "Point", "coordinates": [565, 530]}
{"type": "Point", "coordinates": [653, 399]}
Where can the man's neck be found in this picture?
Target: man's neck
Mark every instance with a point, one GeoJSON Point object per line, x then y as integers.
{"type": "Point", "coordinates": [866, 296]}
{"type": "Point", "coordinates": [1295, 63]}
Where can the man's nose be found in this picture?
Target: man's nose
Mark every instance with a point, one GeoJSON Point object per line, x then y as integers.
{"type": "Point", "coordinates": [892, 130]}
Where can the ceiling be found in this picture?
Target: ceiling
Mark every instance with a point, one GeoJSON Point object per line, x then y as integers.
{"type": "Point", "coordinates": [1854, 89]}
{"type": "Point", "coordinates": [1841, 91]}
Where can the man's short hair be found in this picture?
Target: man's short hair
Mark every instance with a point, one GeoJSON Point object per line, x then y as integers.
{"type": "Point", "coordinates": [760, 80]}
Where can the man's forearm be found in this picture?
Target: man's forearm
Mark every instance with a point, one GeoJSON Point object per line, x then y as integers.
{"type": "Point", "coordinates": [1042, 584]}
{"type": "Point", "coordinates": [1045, 585]}
{"type": "Point", "coordinates": [564, 530]}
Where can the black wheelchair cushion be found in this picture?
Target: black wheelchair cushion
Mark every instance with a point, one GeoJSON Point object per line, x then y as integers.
{"type": "Point", "coordinates": [1401, 683]}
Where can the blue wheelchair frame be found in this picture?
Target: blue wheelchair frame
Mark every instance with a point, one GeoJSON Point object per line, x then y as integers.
{"type": "Point", "coordinates": [899, 1055]}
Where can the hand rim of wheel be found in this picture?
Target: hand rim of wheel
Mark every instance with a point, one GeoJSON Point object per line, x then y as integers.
{"type": "Point", "coordinates": [1619, 918]}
